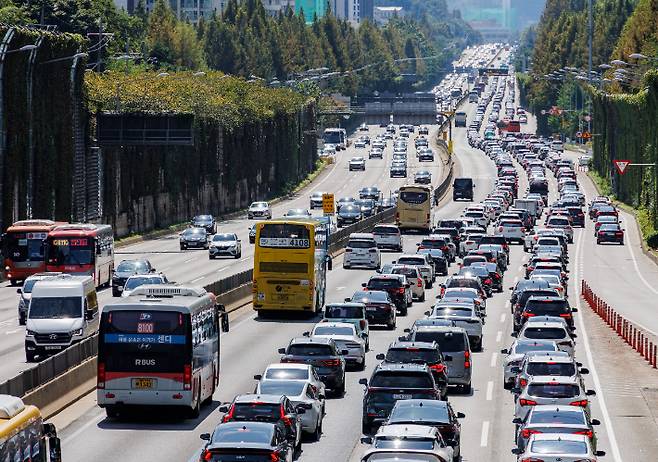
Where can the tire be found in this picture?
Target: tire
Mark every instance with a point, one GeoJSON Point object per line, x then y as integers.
{"type": "Point", "coordinates": [318, 430]}
{"type": "Point", "coordinates": [13, 282]}
{"type": "Point", "coordinates": [366, 427]}
{"type": "Point", "coordinates": [21, 320]}
{"type": "Point", "coordinates": [193, 412]}
{"type": "Point", "coordinates": [466, 389]}
{"type": "Point", "coordinates": [183, 247]}
{"type": "Point", "coordinates": [404, 311]}
{"type": "Point", "coordinates": [621, 242]}
{"type": "Point", "coordinates": [111, 412]}
{"type": "Point", "coordinates": [422, 299]}
{"type": "Point", "coordinates": [429, 285]}
{"type": "Point", "coordinates": [598, 242]}
{"type": "Point", "coordinates": [238, 255]}
{"type": "Point", "coordinates": [362, 366]}
{"type": "Point", "coordinates": [340, 391]}
{"type": "Point", "coordinates": [211, 257]}
{"type": "Point", "coordinates": [391, 325]}
{"type": "Point", "coordinates": [29, 356]}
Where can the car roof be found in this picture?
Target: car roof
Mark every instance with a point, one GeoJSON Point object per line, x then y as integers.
{"type": "Point", "coordinates": [311, 340]}
{"type": "Point", "coordinates": [253, 398]}
{"type": "Point", "coordinates": [401, 367]}
{"type": "Point", "coordinates": [407, 431]}
{"type": "Point", "coordinates": [410, 344]}
{"type": "Point", "coordinates": [559, 379]}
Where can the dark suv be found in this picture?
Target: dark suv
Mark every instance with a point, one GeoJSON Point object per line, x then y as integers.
{"type": "Point", "coordinates": [522, 299]}
{"type": "Point", "coordinates": [276, 409]}
{"type": "Point", "coordinates": [392, 382]}
{"type": "Point", "coordinates": [429, 353]}
{"type": "Point", "coordinates": [126, 269]}
{"type": "Point", "coordinates": [380, 309]}
{"type": "Point", "coordinates": [204, 221]}
{"type": "Point", "coordinates": [548, 306]}
{"type": "Point", "coordinates": [397, 287]}
{"type": "Point", "coordinates": [322, 353]}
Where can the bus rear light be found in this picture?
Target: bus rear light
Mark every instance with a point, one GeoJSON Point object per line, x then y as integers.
{"type": "Point", "coordinates": [187, 377]}
{"type": "Point", "coordinates": [100, 380]}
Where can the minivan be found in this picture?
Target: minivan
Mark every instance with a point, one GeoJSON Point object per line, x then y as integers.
{"type": "Point", "coordinates": [462, 188]}
{"type": "Point", "coordinates": [361, 250]}
{"type": "Point", "coordinates": [63, 310]}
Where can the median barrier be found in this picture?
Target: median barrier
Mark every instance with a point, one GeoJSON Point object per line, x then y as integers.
{"type": "Point", "coordinates": [637, 338]}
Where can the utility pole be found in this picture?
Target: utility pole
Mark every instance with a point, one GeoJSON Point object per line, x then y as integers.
{"type": "Point", "coordinates": [590, 34]}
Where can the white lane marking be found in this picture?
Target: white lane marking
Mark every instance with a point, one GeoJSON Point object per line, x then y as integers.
{"type": "Point", "coordinates": [197, 279]}
{"type": "Point", "coordinates": [189, 260]}
{"type": "Point", "coordinates": [503, 317]}
{"type": "Point", "coordinates": [340, 288]}
{"type": "Point", "coordinates": [499, 336]}
{"type": "Point", "coordinates": [245, 259]}
{"type": "Point", "coordinates": [485, 434]}
{"type": "Point", "coordinates": [9, 332]}
{"type": "Point", "coordinates": [516, 279]}
{"type": "Point", "coordinates": [616, 455]}
{"type": "Point", "coordinates": [82, 429]}
{"type": "Point", "coordinates": [494, 358]}
{"type": "Point", "coordinates": [490, 390]}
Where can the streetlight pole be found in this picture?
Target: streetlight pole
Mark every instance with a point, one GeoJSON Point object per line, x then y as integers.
{"type": "Point", "coordinates": [29, 199]}
{"type": "Point", "coordinates": [590, 34]}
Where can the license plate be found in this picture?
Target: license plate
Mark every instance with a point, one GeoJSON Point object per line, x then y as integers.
{"type": "Point", "coordinates": [401, 396]}
{"type": "Point", "coordinates": [281, 297]}
{"type": "Point", "coordinates": [371, 308]}
{"type": "Point", "coordinates": [143, 384]}
{"type": "Point", "coordinates": [53, 347]}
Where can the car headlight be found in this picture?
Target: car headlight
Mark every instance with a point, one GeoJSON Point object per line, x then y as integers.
{"type": "Point", "coordinates": [77, 332]}
{"type": "Point", "coordinates": [30, 333]}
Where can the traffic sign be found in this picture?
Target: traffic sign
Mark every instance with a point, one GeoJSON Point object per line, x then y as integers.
{"type": "Point", "coordinates": [328, 204]}
{"type": "Point", "coordinates": [543, 112]}
{"type": "Point", "coordinates": [587, 135]}
{"type": "Point", "coordinates": [579, 135]}
{"type": "Point", "coordinates": [621, 165]}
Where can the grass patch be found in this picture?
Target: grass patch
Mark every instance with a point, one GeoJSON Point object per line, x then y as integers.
{"type": "Point", "coordinates": [292, 187]}
{"type": "Point", "coordinates": [602, 184]}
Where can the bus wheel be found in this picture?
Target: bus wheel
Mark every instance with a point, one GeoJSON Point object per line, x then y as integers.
{"type": "Point", "coordinates": [193, 412]}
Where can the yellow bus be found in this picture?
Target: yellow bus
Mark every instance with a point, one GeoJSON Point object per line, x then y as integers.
{"type": "Point", "coordinates": [23, 435]}
{"type": "Point", "coordinates": [290, 262]}
{"type": "Point", "coordinates": [415, 207]}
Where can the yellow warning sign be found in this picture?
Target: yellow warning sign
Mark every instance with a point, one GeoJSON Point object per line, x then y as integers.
{"type": "Point", "coordinates": [328, 204]}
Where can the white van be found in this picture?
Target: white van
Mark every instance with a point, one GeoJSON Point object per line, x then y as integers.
{"type": "Point", "coordinates": [361, 250]}
{"type": "Point", "coordinates": [63, 310]}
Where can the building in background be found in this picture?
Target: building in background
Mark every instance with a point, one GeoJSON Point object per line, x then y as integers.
{"type": "Point", "coordinates": [383, 14]}
{"type": "Point", "coordinates": [347, 9]}
{"type": "Point", "coordinates": [190, 10]}
{"type": "Point", "coordinates": [311, 8]}
{"type": "Point", "coordinates": [273, 7]}
{"type": "Point", "coordinates": [366, 10]}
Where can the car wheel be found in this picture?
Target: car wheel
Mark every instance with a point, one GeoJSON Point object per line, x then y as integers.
{"type": "Point", "coordinates": [366, 427]}
{"type": "Point", "coordinates": [318, 430]}
{"type": "Point", "coordinates": [13, 282]}
{"type": "Point", "coordinates": [193, 412]}
{"type": "Point", "coordinates": [422, 298]}
{"type": "Point", "coordinates": [21, 321]}
{"type": "Point", "coordinates": [30, 356]}
{"type": "Point", "coordinates": [340, 391]}
{"type": "Point", "coordinates": [598, 242]}
{"type": "Point", "coordinates": [429, 285]}
{"type": "Point", "coordinates": [362, 366]}
{"type": "Point", "coordinates": [621, 242]}
{"type": "Point", "coordinates": [238, 255]}
{"type": "Point", "coordinates": [403, 311]}
{"type": "Point", "coordinates": [466, 389]}
{"type": "Point", "coordinates": [391, 324]}
{"type": "Point", "coordinates": [211, 257]}
{"type": "Point", "coordinates": [182, 247]}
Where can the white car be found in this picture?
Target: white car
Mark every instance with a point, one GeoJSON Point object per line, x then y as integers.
{"type": "Point", "coordinates": [480, 217]}
{"type": "Point", "coordinates": [563, 223]}
{"type": "Point", "coordinates": [259, 210]}
{"type": "Point", "coordinates": [293, 371]}
{"type": "Point", "coordinates": [551, 390]}
{"type": "Point", "coordinates": [564, 447]}
{"type": "Point", "coordinates": [299, 392]}
{"type": "Point", "coordinates": [463, 315]}
{"type": "Point", "coordinates": [346, 337]}
{"type": "Point", "coordinates": [513, 230]}
{"type": "Point", "coordinates": [361, 250]}
{"type": "Point", "coordinates": [357, 163]}
{"type": "Point", "coordinates": [137, 280]}
{"type": "Point", "coordinates": [360, 144]}
{"type": "Point", "coordinates": [225, 244]}
{"type": "Point", "coordinates": [402, 442]}
{"type": "Point", "coordinates": [423, 263]}
{"type": "Point", "coordinates": [556, 331]}
{"type": "Point", "coordinates": [388, 237]}
{"type": "Point", "coordinates": [517, 352]}
{"type": "Point", "coordinates": [470, 242]}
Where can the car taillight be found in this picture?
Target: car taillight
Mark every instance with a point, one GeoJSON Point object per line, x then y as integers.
{"type": "Point", "coordinates": [229, 414]}
{"type": "Point", "coordinates": [527, 315]}
{"type": "Point", "coordinates": [348, 250]}
{"type": "Point", "coordinates": [444, 249]}
{"type": "Point", "coordinates": [527, 402]}
{"type": "Point", "coordinates": [526, 432]}
{"type": "Point", "coordinates": [467, 360]}
{"type": "Point", "coordinates": [100, 380]}
{"type": "Point", "coordinates": [565, 315]}
{"type": "Point", "coordinates": [488, 281]}
{"type": "Point", "coordinates": [400, 290]}
{"type": "Point", "coordinates": [362, 324]}
{"type": "Point", "coordinates": [274, 457]}
{"type": "Point", "coordinates": [286, 420]}
{"type": "Point", "coordinates": [419, 282]}
{"type": "Point", "coordinates": [588, 433]}
{"type": "Point", "coordinates": [438, 367]}
{"type": "Point", "coordinates": [619, 234]}
{"type": "Point", "coordinates": [523, 230]}
{"type": "Point", "coordinates": [500, 229]}
{"type": "Point", "coordinates": [496, 276]}
{"type": "Point", "coordinates": [331, 362]}
{"type": "Point", "coordinates": [581, 403]}
{"type": "Point", "coordinates": [187, 377]}
{"type": "Point", "coordinates": [206, 455]}
{"type": "Point", "coordinates": [523, 382]}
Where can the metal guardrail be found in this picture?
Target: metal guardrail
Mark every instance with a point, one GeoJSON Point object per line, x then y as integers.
{"type": "Point", "coordinates": [340, 237]}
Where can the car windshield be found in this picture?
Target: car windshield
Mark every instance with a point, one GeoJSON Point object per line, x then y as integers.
{"type": "Point", "coordinates": [203, 218]}
{"type": "Point", "coordinates": [426, 413]}
{"type": "Point", "coordinates": [609, 227]}
{"type": "Point", "coordinates": [553, 390]}
{"type": "Point", "coordinates": [399, 379]}
{"type": "Point", "coordinates": [549, 333]}
{"type": "Point", "coordinates": [558, 417]}
{"type": "Point", "coordinates": [246, 433]}
{"type": "Point", "coordinates": [333, 330]}
{"type": "Point", "coordinates": [259, 205]}
{"type": "Point", "coordinates": [547, 307]}
{"type": "Point", "coordinates": [276, 387]}
{"type": "Point", "coordinates": [521, 348]}
{"type": "Point", "coordinates": [374, 296]}
{"type": "Point", "coordinates": [310, 350]}
{"type": "Point", "coordinates": [558, 447]}
{"type": "Point", "coordinates": [343, 312]}
{"type": "Point", "coordinates": [381, 283]}
{"type": "Point", "coordinates": [385, 229]}
{"type": "Point", "coordinates": [223, 238]}
{"type": "Point", "coordinates": [132, 266]}
{"type": "Point", "coordinates": [413, 261]}
{"type": "Point", "coordinates": [286, 373]}
{"type": "Point", "coordinates": [133, 283]}
{"type": "Point", "coordinates": [55, 308]}
{"type": "Point", "coordinates": [551, 368]}
{"type": "Point", "coordinates": [193, 231]}
{"type": "Point", "coordinates": [412, 355]}
{"type": "Point", "coordinates": [361, 244]}
{"type": "Point", "coordinates": [448, 341]}
{"type": "Point", "coordinates": [404, 443]}
{"type": "Point", "coordinates": [407, 271]}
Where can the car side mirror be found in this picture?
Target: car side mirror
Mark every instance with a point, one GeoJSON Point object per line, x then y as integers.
{"type": "Point", "coordinates": [380, 357]}
{"type": "Point", "coordinates": [366, 439]}
{"type": "Point", "coordinates": [574, 310]}
{"type": "Point", "coordinates": [282, 351]}
{"type": "Point", "coordinates": [258, 377]}
{"type": "Point", "coordinates": [447, 358]}
{"type": "Point", "coordinates": [348, 299]}
{"type": "Point", "coordinates": [407, 330]}
{"type": "Point", "coordinates": [394, 262]}
{"type": "Point", "coordinates": [363, 382]}
{"type": "Point", "coordinates": [330, 263]}
{"type": "Point", "coordinates": [89, 315]}
{"type": "Point", "coordinates": [306, 334]}
{"type": "Point", "coordinates": [19, 291]}
{"type": "Point", "coordinates": [590, 393]}
{"type": "Point", "coordinates": [402, 338]}
{"type": "Point", "coordinates": [600, 453]}
{"type": "Point", "coordinates": [514, 334]}
{"type": "Point", "coordinates": [595, 422]}
{"type": "Point", "coordinates": [426, 313]}
{"type": "Point", "coordinates": [205, 436]}
{"type": "Point", "coordinates": [223, 408]}
{"type": "Point", "coordinates": [364, 284]}
{"type": "Point", "coordinates": [574, 335]}
{"type": "Point", "coordinates": [517, 420]}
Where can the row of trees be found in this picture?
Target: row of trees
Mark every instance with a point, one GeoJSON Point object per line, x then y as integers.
{"type": "Point", "coordinates": [244, 40]}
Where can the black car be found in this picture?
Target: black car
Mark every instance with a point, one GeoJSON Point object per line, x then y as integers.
{"type": "Point", "coordinates": [398, 171]}
{"type": "Point", "coordinates": [370, 193]}
{"type": "Point", "coordinates": [380, 308]}
{"type": "Point", "coordinates": [348, 214]}
{"type": "Point", "coordinates": [194, 237]}
{"type": "Point", "coordinates": [610, 232]}
{"type": "Point", "coordinates": [367, 206]}
{"type": "Point", "coordinates": [577, 216]}
{"type": "Point", "coordinates": [241, 441]}
{"type": "Point", "coordinates": [204, 221]}
{"type": "Point", "coordinates": [462, 188]}
{"type": "Point", "coordinates": [482, 273]}
{"type": "Point", "coordinates": [323, 354]}
{"type": "Point", "coordinates": [498, 240]}
{"type": "Point", "coordinates": [390, 383]}
{"type": "Point", "coordinates": [126, 269]}
{"type": "Point", "coordinates": [397, 288]}
{"type": "Point", "coordinates": [431, 413]}
{"type": "Point", "coordinates": [426, 156]}
{"type": "Point", "coordinates": [439, 259]}
{"type": "Point", "coordinates": [548, 306]}
{"type": "Point", "coordinates": [273, 409]}
{"type": "Point", "coordinates": [522, 299]}
{"type": "Point", "coordinates": [429, 353]}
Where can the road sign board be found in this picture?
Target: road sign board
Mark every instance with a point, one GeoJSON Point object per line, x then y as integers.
{"type": "Point", "coordinates": [587, 135]}
{"type": "Point", "coordinates": [543, 112]}
{"type": "Point", "coordinates": [579, 135]}
{"type": "Point", "coordinates": [621, 165]}
{"type": "Point", "coordinates": [328, 204]}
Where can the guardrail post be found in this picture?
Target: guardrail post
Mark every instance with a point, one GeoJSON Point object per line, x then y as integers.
{"type": "Point", "coordinates": [655, 354]}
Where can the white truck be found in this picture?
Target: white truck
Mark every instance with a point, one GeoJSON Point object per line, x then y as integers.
{"type": "Point", "coordinates": [531, 205]}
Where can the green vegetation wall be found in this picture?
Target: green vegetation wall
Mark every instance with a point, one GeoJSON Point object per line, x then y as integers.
{"type": "Point", "coordinates": [50, 116]}
{"type": "Point", "coordinates": [250, 142]}
{"type": "Point", "coordinates": [629, 131]}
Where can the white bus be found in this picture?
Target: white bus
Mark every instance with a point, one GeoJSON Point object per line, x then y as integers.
{"type": "Point", "coordinates": [160, 347]}
{"type": "Point", "coordinates": [336, 137]}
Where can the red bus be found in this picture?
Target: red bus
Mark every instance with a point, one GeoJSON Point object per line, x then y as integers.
{"type": "Point", "coordinates": [513, 126]}
{"type": "Point", "coordinates": [23, 248]}
{"type": "Point", "coordinates": [82, 249]}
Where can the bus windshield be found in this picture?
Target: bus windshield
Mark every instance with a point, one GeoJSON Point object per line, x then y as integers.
{"type": "Point", "coordinates": [284, 235]}
{"type": "Point", "coordinates": [144, 341]}
{"type": "Point", "coordinates": [333, 137]}
{"type": "Point", "coordinates": [70, 251]}
{"type": "Point", "coordinates": [21, 247]}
